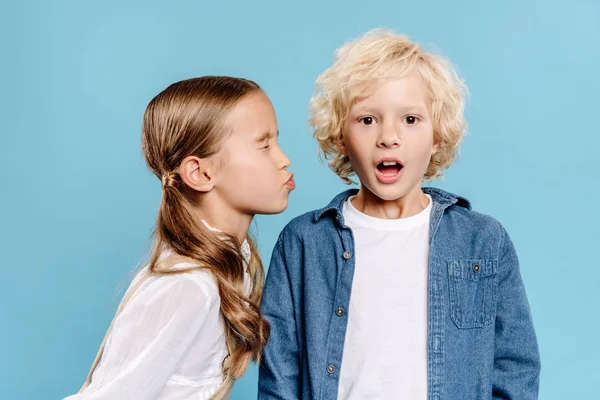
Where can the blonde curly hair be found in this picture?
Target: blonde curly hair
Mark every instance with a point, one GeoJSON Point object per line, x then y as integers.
{"type": "Point", "coordinates": [359, 65]}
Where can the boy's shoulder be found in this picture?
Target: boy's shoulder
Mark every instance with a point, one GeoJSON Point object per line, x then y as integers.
{"type": "Point", "coordinates": [459, 212]}
{"type": "Point", "coordinates": [312, 219]}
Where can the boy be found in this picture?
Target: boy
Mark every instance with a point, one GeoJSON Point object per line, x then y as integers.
{"type": "Point", "coordinates": [394, 291]}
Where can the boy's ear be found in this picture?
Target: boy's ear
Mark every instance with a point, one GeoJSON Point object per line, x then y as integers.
{"type": "Point", "coordinates": [341, 144]}
{"type": "Point", "coordinates": [435, 148]}
{"type": "Point", "coordinates": [197, 173]}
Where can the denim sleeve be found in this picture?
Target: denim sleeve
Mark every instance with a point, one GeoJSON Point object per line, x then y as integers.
{"type": "Point", "coordinates": [516, 354]}
{"type": "Point", "coordinates": [279, 372]}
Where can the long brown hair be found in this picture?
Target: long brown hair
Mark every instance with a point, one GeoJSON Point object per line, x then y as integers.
{"type": "Point", "coordinates": [187, 118]}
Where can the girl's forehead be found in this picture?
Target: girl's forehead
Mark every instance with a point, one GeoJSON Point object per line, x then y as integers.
{"type": "Point", "coordinates": [253, 109]}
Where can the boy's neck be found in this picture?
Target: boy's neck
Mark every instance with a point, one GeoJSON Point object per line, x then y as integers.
{"type": "Point", "coordinates": [406, 206]}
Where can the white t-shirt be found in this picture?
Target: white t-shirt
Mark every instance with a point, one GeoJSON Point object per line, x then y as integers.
{"type": "Point", "coordinates": [385, 350]}
{"type": "Point", "coordinates": [168, 342]}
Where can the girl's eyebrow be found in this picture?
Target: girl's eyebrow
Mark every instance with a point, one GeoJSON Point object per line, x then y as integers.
{"type": "Point", "coordinates": [265, 136]}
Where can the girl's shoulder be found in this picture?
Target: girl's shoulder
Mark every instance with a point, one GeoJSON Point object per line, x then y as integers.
{"type": "Point", "coordinates": [197, 284]}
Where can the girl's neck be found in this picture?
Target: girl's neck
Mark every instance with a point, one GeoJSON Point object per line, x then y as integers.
{"type": "Point", "coordinates": [222, 217]}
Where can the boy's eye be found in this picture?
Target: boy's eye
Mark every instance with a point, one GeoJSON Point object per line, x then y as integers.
{"type": "Point", "coordinates": [411, 120]}
{"type": "Point", "coordinates": [367, 120]}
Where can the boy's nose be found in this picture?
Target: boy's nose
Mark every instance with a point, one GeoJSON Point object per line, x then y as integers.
{"type": "Point", "coordinates": [389, 139]}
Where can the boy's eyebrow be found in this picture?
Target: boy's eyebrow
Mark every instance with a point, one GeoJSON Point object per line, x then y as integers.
{"type": "Point", "coordinates": [370, 110]}
{"type": "Point", "coordinates": [413, 108]}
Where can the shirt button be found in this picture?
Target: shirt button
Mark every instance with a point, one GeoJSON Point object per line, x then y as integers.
{"type": "Point", "coordinates": [347, 255]}
{"type": "Point", "coordinates": [476, 268]}
{"type": "Point", "coordinates": [330, 369]}
{"type": "Point", "coordinates": [339, 311]}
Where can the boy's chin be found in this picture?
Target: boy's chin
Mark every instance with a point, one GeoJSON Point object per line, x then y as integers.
{"type": "Point", "coordinates": [388, 192]}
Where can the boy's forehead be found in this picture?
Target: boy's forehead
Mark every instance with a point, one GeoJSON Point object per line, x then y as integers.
{"type": "Point", "coordinates": [415, 91]}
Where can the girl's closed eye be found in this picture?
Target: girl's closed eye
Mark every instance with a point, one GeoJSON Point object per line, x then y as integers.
{"type": "Point", "coordinates": [266, 144]}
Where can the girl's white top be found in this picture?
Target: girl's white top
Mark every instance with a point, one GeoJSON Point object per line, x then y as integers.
{"type": "Point", "coordinates": [168, 342]}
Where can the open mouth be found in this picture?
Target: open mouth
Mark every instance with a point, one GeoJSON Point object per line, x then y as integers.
{"type": "Point", "coordinates": [389, 168]}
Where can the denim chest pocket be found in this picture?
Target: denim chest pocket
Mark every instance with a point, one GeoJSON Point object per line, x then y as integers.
{"type": "Point", "coordinates": [473, 292]}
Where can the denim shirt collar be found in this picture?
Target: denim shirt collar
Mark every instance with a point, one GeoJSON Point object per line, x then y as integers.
{"type": "Point", "coordinates": [440, 197]}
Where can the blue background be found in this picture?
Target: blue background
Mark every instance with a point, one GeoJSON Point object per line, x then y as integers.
{"type": "Point", "coordinates": [78, 204]}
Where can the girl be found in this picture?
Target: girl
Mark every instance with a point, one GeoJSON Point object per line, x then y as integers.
{"type": "Point", "coordinates": [189, 324]}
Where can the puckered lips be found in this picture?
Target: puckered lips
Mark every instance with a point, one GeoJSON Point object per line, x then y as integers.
{"type": "Point", "coordinates": [290, 183]}
{"type": "Point", "coordinates": [388, 169]}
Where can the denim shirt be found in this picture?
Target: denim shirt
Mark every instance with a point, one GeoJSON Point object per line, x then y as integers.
{"type": "Point", "coordinates": [481, 342]}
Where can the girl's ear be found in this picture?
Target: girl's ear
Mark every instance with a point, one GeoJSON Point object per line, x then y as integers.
{"type": "Point", "coordinates": [197, 173]}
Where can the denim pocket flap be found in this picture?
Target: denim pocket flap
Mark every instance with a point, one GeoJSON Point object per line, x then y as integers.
{"type": "Point", "coordinates": [473, 292]}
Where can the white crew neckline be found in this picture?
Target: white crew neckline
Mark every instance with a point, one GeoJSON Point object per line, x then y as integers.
{"type": "Point", "coordinates": [363, 220]}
